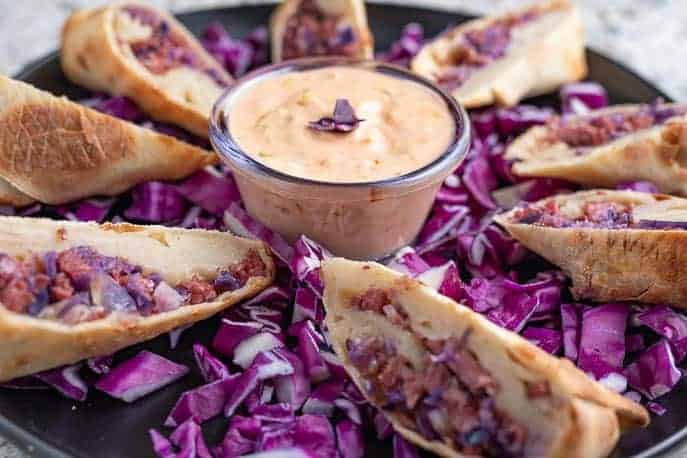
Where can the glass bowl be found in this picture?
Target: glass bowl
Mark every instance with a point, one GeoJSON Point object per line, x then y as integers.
{"type": "Point", "coordinates": [359, 220]}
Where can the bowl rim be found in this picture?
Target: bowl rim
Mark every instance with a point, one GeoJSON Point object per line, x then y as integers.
{"type": "Point", "coordinates": [230, 152]}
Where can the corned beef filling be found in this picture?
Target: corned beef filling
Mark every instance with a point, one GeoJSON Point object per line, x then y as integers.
{"type": "Point", "coordinates": [607, 215]}
{"type": "Point", "coordinates": [604, 215]}
{"type": "Point", "coordinates": [478, 48]}
{"type": "Point", "coordinates": [448, 398]}
{"type": "Point", "coordinates": [380, 301]}
{"type": "Point", "coordinates": [598, 130]}
{"type": "Point", "coordinates": [80, 284]}
{"type": "Point", "coordinates": [311, 32]}
{"type": "Point", "coordinates": [165, 49]}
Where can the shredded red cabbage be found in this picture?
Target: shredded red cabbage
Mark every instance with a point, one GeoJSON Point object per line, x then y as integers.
{"type": "Point", "coordinates": [288, 452]}
{"type": "Point", "coordinates": [444, 278]}
{"type": "Point", "coordinates": [310, 432]}
{"type": "Point", "coordinates": [210, 190]}
{"type": "Point", "coordinates": [668, 323]}
{"type": "Point", "coordinates": [350, 409]}
{"type": "Point", "coordinates": [407, 46]}
{"type": "Point", "coordinates": [240, 223]}
{"type": "Point", "coordinates": [306, 261]}
{"type": "Point", "coordinates": [580, 98]}
{"type": "Point", "coordinates": [273, 295]}
{"type": "Point", "coordinates": [571, 322]}
{"type": "Point", "coordinates": [141, 375]}
{"type": "Point", "coordinates": [237, 56]}
{"type": "Point", "coordinates": [309, 342]}
{"type": "Point", "coordinates": [87, 210]}
{"type": "Point", "coordinates": [67, 381]}
{"type": "Point", "coordinates": [117, 106]}
{"type": "Point", "coordinates": [321, 401]}
{"type": "Point", "coordinates": [156, 202]}
{"type": "Point", "coordinates": [249, 349]}
{"type": "Point", "coordinates": [210, 367]}
{"type": "Point", "coordinates": [654, 373]}
{"type": "Point", "coordinates": [403, 448]}
{"type": "Point", "coordinates": [274, 373]}
{"type": "Point", "coordinates": [188, 438]}
{"type": "Point", "coordinates": [382, 426]}
{"type": "Point", "coordinates": [202, 403]}
{"type": "Point", "coordinates": [408, 262]}
{"type": "Point", "coordinates": [516, 120]}
{"type": "Point", "coordinates": [161, 445]}
{"type": "Point", "coordinates": [602, 340]}
{"type": "Point", "coordinates": [349, 436]}
{"type": "Point", "coordinates": [195, 218]}
{"type": "Point", "coordinates": [231, 334]}
{"type": "Point", "coordinates": [549, 340]}
{"type": "Point", "coordinates": [292, 389]}
{"type": "Point", "coordinates": [444, 220]}
{"type": "Point", "coordinates": [515, 309]}
{"type": "Point", "coordinates": [307, 306]}
{"type": "Point", "coordinates": [100, 365]}
{"type": "Point", "coordinates": [641, 186]}
{"type": "Point", "coordinates": [656, 408]}
{"type": "Point", "coordinates": [240, 437]}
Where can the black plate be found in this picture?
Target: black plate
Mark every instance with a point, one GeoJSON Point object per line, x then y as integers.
{"type": "Point", "coordinates": [45, 424]}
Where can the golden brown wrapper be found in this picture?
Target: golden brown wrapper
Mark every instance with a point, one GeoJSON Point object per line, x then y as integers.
{"type": "Point", "coordinates": [29, 345]}
{"type": "Point", "coordinates": [581, 418]}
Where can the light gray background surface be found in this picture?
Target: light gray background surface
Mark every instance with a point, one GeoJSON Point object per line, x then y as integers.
{"type": "Point", "coordinates": [649, 36]}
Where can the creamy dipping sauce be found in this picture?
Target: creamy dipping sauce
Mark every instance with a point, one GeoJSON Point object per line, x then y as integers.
{"type": "Point", "coordinates": [406, 126]}
{"type": "Point", "coordinates": [302, 118]}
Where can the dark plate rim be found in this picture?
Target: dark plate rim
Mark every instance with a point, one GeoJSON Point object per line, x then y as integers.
{"type": "Point", "coordinates": [41, 61]}
{"type": "Point", "coordinates": [33, 445]}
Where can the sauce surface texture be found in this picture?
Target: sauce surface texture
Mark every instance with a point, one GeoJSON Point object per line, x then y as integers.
{"type": "Point", "coordinates": [406, 126]}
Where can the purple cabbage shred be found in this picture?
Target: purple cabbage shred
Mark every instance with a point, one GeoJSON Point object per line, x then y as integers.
{"type": "Point", "coordinates": [406, 47]}
{"type": "Point", "coordinates": [139, 376]}
{"type": "Point", "coordinates": [343, 120]}
{"type": "Point", "coordinates": [272, 370]}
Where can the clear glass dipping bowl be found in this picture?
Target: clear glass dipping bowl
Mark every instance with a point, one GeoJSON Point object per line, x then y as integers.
{"type": "Point", "coordinates": [365, 220]}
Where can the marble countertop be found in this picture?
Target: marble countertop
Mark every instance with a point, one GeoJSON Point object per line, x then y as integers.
{"type": "Point", "coordinates": [649, 36]}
